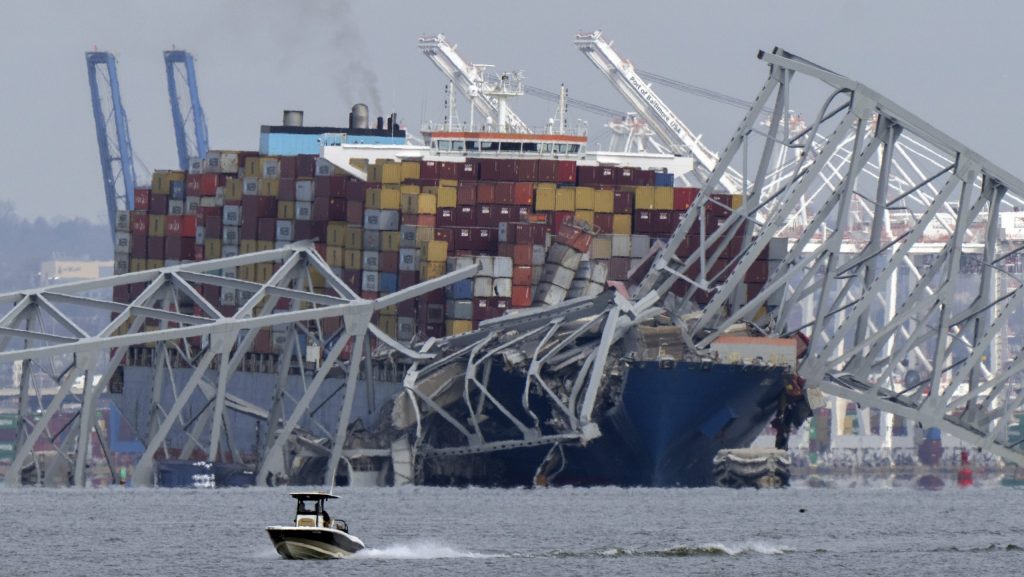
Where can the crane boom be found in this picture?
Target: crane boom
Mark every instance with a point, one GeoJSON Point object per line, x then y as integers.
{"type": "Point", "coordinates": [115, 149]}
{"type": "Point", "coordinates": [469, 79]}
{"type": "Point", "coordinates": [196, 143]}
{"type": "Point", "coordinates": [642, 97]}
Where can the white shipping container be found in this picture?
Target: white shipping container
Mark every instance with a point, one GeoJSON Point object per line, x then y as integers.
{"type": "Point", "coordinates": [621, 245]}
{"type": "Point", "coordinates": [195, 165]}
{"type": "Point", "coordinates": [271, 168]}
{"type": "Point", "coordinates": [324, 167]}
{"type": "Point", "coordinates": [122, 221]}
{"type": "Point", "coordinates": [539, 254]}
{"type": "Point", "coordinates": [303, 210]}
{"type": "Point", "coordinates": [371, 280]}
{"type": "Point", "coordinates": [200, 234]}
{"type": "Point", "coordinates": [503, 288]}
{"type": "Point", "coordinates": [304, 190]}
{"type": "Point", "coordinates": [407, 236]}
{"type": "Point", "coordinates": [228, 297]}
{"type": "Point", "coordinates": [122, 242]}
{"type": "Point", "coordinates": [598, 272]}
{"type": "Point", "coordinates": [549, 294]}
{"type": "Point", "coordinates": [232, 215]}
{"type": "Point", "coordinates": [640, 244]}
{"type": "Point", "coordinates": [371, 262]}
{"type": "Point", "coordinates": [371, 240]}
{"type": "Point", "coordinates": [229, 237]}
{"type": "Point", "coordinates": [371, 219]}
{"type": "Point", "coordinates": [502, 267]}
{"type": "Point", "coordinates": [390, 220]}
{"type": "Point", "coordinates": [460, 309]}
{"type": "Point", "coordinates": [250, 186]}
{"type": "Point", "coordinates": [227, 250]}
{"type": "Point", "coordinates": [176, 207]}
{"type": "Point", "coordinates": [406, 328]}
{"type": "Point", "coordinates": [483, 287]}
{"type": "Point", "coordinates": [560, 276]}
{"type": "Point", "coordinates": [486, 266]}
{"type": "Point", "coordinates": [601, 247]}
{"type": "Point", "coordinates": [461, 262]}
{"type": "Point", "coordinates": [284, 230]}
{"type": "Point", "coordinates": [192, 204]}
{"type": "Point", "coordinates": [228, 162]}
{"type": "Point", "coordinates": [409, 259]}
{"type": "Point", "coordinates": [122, 264]}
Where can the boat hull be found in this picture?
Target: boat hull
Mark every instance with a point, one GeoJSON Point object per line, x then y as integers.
{"type": "Point", "coordinates": [313, 542]}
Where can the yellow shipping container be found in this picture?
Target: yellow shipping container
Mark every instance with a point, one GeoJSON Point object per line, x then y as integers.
{"type": "Point", "coordinates": [335, 256]}
{"type": "Point", "coordinates": [544, 200]}
{"type": "Point", "coordinates": [447, 197]}
{"type": "Point", "coordinates": [157, 225]}
{"type": "Point", "coordinates": [336, 234]}
{"type": "Point", "coordinates": [565, 199]}
{"type": "Point", "coordinates": [390, 240]}
{"type": "Point", "coordinates": [137, 265]}
{"type": "Point", "coordinates": [211, 248]}
{"type": "Point", "coordinates": [233, 190]}
{"type": "Point", "coordinates": [152, 263]}
{"type": "Point", "coordinates": [663, 198]}
{"type": "Point", "coordinates": [388, 324]}
{"type": "Point", "coordinates": [409, 203]}
{"type": "Point", "coordinates": [586, 216]}
{"type": "Point", "coordinates": [437, 251]}
{"type": "Point", "coordinates": [264, 271]}
{"type": "Point", "coordinates": [262, 245]}
{"type": "Point", "coordinates": [269, 186]}
{"type": "Point", "coordinates": [247, 272]}
{"type": "Point", "coordinates": [427, 204]}
{"type": "Point", "coordinates": [353, 238]}
{"type": "Point", "coordinates": [448, 182]}
{"type": "Point", "coordinates": [604, 201]}
{"type": "Point", "coordinates": [584, 198]}
{"type": "Point", "coordinates": [252, 166]}
{"type": "Point", "coordinates": [353, 260]}
{"type": "Point", "coordinates": [391, 173]}
{"type": "Point", "coordinates": [246, 245]}
{"type": "Point", "coordinates": [372, 198]}
{"type": "Point", "coordinates": [410, 170]}
{"type": "Point", "coordinates": [622, 224]}
{"type": "Point", "coordinates": [737, 201]}
{"type": "Point", "coordinates": [410, 189]}
{"type": "Point", "coordinates": [457, 327]}
{"type": "Point", "coordinates": [424, 234]}
{"type": "Point", "coordinates": [373, 173]}
{"type": "Point", "coordinates": [286, 210]}
{"type": "Point", "coordinates": [643, 198]}
{"type": "Point", "coordinates": [319, 282]}
{"type": "Point", "coordinates": [390, 198]}
{"type": "Point", "coordinates": [429, 270]}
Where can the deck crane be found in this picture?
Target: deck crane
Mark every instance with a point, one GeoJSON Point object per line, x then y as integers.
{"type": "Point", "coordinates": [487, 95]}
{"type": "Point", "coordinates": [658, 115]}
{"type": "Point", "coordinates": [194, 144]}
{"type": "Point", "coordinates": [634, 132]}
{"type": "Point", "coordinates": [111, 134]}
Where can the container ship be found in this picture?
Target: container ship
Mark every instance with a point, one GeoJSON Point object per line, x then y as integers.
{"type": "Point", "coordinates": [548, 223]}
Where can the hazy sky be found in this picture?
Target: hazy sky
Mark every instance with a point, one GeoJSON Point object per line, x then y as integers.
{"type": "Point", "coordinates": [954, 63]}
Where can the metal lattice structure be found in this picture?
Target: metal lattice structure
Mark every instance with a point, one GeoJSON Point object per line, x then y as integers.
{"type": "Point", "coordinates": [115, 145]}
{"type": "Point", "coordinates": [851, 278]}
{"type": "Point", "coordinates": [167, 311]}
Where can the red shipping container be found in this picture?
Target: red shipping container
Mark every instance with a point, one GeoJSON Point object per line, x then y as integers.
{"type": "Point", "coordinates": [566, 171]}
{"type": "Point", "coordinates": [643, 177]}
{"type": "Point", "coordinates": [449, 170]}
{"type": "Point", "coordinates": [487, 169]}
{"type": "Point", "coordinates": [336, 208]}
{"type": "Point", "coordinates": [192, 184]}
{"type": "Point", "coordinates": [643, 222]}
{"type": "Point", "coordinates": [485, 192]}
{"type": "Point", "coordinates": [625, 176]}
{"type": "Point", "coordinates": [683, 197]}
{"type": "Point", "coordinates": [266, 229]}
{"type": "Point", "coordinates": [352, 278]}
{"type": "Point", "coordinates": [503, 214]}
{"type": "Point", "coordinates": [503, 192]}
{"type": "Point", "coordinates": [462, 239]}
{"type": "Point", "coordinates": [481, 311]}
{"type": "Point", "coordinates": [446, 217]}
{"type": "Point", "coordinates": [179, 248]}
{"type": "Point", "coordinates": [158, 203]}
{"type": "Point", "coordinates": [585, 175]}
{"type": "Point", "coordinates": [539, 232]}
{"type": "Point", "coordinates": [560, 219]}
{"type": "Point", "coordinates": [466, 193]}
{"type": "Point", "coordinates": [214, 228]}
{"type": "Point", "coordinates": [354, 211]}
{"type": "Point", "coordinates": [140, 223]}
{"type": "Point", "coordinates": [287, 164]}
{"type": "Point", "coordinates": [419, 219]}
{"type": "Point", "coordinates": [506, 169]}
{"type": "Point", "coordinates": [445, 234]}
{"type": "Point", "coordinates": [522, 275]}
{"type": "Point", "coordinates": [388, 261]}
{"type": "Point", "coordinates": [199, 253]}
{"type": "Point", "coordinates": [465, 216]}
{"type": "Point", "coordinates": [435, 297]}
{"type": "Point", "coordinates": [172, 225]}
{"type": "Point", "coordinates": [139, 245]}
{"type": "Point", "coordinates": [522, 193]}
{"type": "Point", "coordinates": [547, 170]}
{"type": "Point", "coordinates": [286, 188]}
{"type": "Point", "coordinates": [305, 165]}
{"type": "Point", "coordinates": [467, 171]}
{"type": "Point", "coordinates": [526, 170]}
{"type": "Point", "coordinates": [259, 207]}
{"type": "Point", "coordinates": [603, 222]}
{"type": "Point", "coordinates": [141, 199]}
{"type": "Point", "coordinates": [430, 169]}
{"type": "Point", "coordinates": [663, 222]}
{"type": "Point", "coordinates": [618, 268]}
{"type": "Point", "coordinates": [486, 240]}
{"type": "Point", "coordinates": [208, 184]}
{"type": "Point", "coordinates": [354, 189]}
{"type": "Point", "coordinates": [407, 278]}
{"type": "Point", "coordinates": [622, 202]}
{"type": "Point", "coordinates": [122, 294]}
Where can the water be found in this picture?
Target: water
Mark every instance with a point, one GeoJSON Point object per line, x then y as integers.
{"type": "Point", "coordinates": [862, 530]}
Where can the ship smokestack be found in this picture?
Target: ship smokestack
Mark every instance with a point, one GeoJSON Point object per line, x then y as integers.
{"type": "Point", "coordinates": [359, 117]}
{"type": "Point", "coordinates": [380, 123]}
{"type": "Point", "coordinates": [292, 118]}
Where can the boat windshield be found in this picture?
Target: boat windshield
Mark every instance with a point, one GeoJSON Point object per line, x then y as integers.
{"type": "Point", "coordinates": [307, 507]}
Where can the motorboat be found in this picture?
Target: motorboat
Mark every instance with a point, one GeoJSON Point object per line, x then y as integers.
{"type": "Point", "coordinates": [314, 535]}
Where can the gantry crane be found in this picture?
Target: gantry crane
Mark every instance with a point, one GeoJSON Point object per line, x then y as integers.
{"type": "Point", "coordinates": [658, 115]}
{"type": "Point", "coordinates": [487, 95]}
{"type": "Point", "coordinates": [194, 144]}
{"type": "Point", "coordinates": [111, 134]}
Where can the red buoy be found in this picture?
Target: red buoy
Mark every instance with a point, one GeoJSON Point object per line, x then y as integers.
{"type": "Point", "coordinates": [965, 476]}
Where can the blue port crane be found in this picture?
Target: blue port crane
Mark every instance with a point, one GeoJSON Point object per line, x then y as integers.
{"type": "Point", "coordinates": [111, 134]}
{"type": "Point", "coordinates": [185, 106]}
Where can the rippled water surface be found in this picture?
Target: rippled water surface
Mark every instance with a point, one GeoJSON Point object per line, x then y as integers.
{"type": "Point", "coordinates": [872, 530]}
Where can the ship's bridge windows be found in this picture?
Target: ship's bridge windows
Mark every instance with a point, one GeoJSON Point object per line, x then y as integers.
{"type": "Point", "coordinates": [511, 147]}
{"type": "Point", "coordinates": [459, 145]}
{"type": "Point", "coordinates": [444, 144]}
{"type": "Point", "coordinates": [472, 145]}
{"type": "Point", "coordinates": [574, 148]}
{"type": "Point", "coordinates": [545, 148]}
{"type": "Point", "coordinates": [488, 146]}
{"type": "Point", "coordinates": [529, 147]}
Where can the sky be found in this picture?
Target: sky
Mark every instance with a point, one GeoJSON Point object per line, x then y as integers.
{"type": "Point", "coordinates": [955, 64]}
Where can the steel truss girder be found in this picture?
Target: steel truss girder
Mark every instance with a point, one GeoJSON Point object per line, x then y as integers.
{"type": "Point", "coordinates": [878, 275]}
{"type": "Point", "coordinates": [174, 298]}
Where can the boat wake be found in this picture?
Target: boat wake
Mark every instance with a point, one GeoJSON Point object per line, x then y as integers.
{"type": "Point", "coordinates": [708, 549]}
{"type": "Point", "coordinates": [420, 550]}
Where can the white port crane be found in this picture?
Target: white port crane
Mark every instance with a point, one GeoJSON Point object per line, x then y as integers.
{"type": "Point", "coordinates": [658, 115]}
{"type": "Point", "coordinates": [488, 96]}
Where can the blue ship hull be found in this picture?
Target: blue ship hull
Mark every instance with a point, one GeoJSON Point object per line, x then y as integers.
{"type": "Point", "coordinates": [663, 430]}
